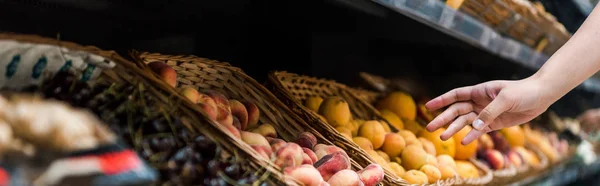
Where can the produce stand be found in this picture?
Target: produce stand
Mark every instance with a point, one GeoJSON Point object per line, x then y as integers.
{"type": "Point", "coordinates": [257, 92]}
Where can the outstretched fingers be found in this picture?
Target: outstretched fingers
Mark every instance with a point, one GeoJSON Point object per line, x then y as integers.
{"type": "Point", "coordinates": [455, 95]}
{"type": "Point", "coordinates": [455, 110]}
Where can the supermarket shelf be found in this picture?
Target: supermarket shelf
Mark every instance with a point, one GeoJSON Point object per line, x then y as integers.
{"type": "Point", "coordinates": [437, 15]}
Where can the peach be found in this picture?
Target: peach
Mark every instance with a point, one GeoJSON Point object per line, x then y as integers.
{"type": "Point", "coordinates": [190, 93]}
{"type": "Point", "coordinates": [363, 143]}
{"type": "Point", "coordinates": [500, 142]}
{"type": "Point", "coordinates": [373, 131]}
{"type": "Point", "coordinates": [384, 155]}
{"type": "Point", "coordinates": [236, 123]}
{"type": "Point", "coordinates": [332, 163]}
{"type": "Point", "coordinates": [415, 177]}
{"type": "Point", "coordinates": [266, 130]}
{"type": "Point", "coordinates": [310, 154]}
{"type": "Point", "coordinates": [398, 170]}
{"type": "Point", "coordinates": [306, 139]}
{"type": "Point", "coordinates": [432, 172]}
{"type": "Point", "coordinates": [371, 175]}
{"type": "Point", "coordinates": [208, 105]}
{"type": "Point", "coordinates": [345, 178]}
{"type": "Point", "coordinates": [486, 142]}
{"type": "Point", "coordinates": [515, 158]}
{"type": "Point", "coordinates": [306, 159]}
{"type": "Point", "coordinates": [253, 114]}
{"type": "Point", "coordinates": [393, 144]}
{"type": "Point", "coordinates": [427, 146]}
{"type": "Point", "coordinates": [166, 72]}
{"type": "Point", "coordinates": [447, 171]}
{"type": "Point", "coordinates": [239, 110]}
{"type": "Point", "coordinates": [265, 152]}
{"type": "Point", "coordinates": [224, 116]}
{"type": "Point", "coordinates": [289, 155]}
{"type": "Point", "coordinates": [254, 139]}
{"type": "Point", "coordinates": [494, 158]}
{"type": "Point", "coordinates": [234, 131]}
{"type": "Point", "coordinates": [323, 183]}
{"type": "Point", "coordinates": [275, 143]}
{"type": "Point", "coordinates": [305, 174]}
{"type": "Point", "coordinates": [323, 150]}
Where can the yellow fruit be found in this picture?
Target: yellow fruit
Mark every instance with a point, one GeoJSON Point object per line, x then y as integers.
{"type": "Point", "coordinates": [386, 126]}
{"type": "Point", "coordinates": [412, 126]}
{"type": "Point", "coordinates": [446, 160]}
{"type": "Point", "coordinates": [447, 171]}
{"type": "Point", "coordinates": [427, 146]}
{"type": "Point", "coordinates": [393, 144]}
{"type": "Point", "coordinates": [464, 152]}
{"type": "Point", "coordinates": [373, 131]}
{"type": "Point", "coordinates": [392, 118]}
{"type": "Point", "coordinates": [432, 160]}
{"type": "Point", "coordinates": [415, 177]}
{"type": "Point", "coordinates": [413, 157]}
{"type": "Point", "coordinates": [514, 135]}
{"type": "Point", "coordinates": [356, 125]}
{"type": "Point", "coordinates": [441, 147]}
{"type": "Point", "coordinates": [407, 135]}
{"type": "Point", "coordinates": [466, 169]}
{"type": "Point", "coordinates": [313, 103]}
{"type": "Point", "coordinates": [397, 160]}
{"type": "Point", "coordinates": [336, 111]}
{"type": "Point", "coordinates": [400, 103]}
{"type": "Point", "coordinates": [396, 168]}
{"type": "Point", "coordinates": [385, 156]}
{"type": "Point", "coordinates": [432, 172]}
{"type": "Point", "coordinates": [378, 159]}
{"type": "Point", "coordinates": [363, 143]}
{"type": "Point", "coordinates": [345, 132]}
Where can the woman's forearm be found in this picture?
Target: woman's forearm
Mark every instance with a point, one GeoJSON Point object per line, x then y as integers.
{"type": "Point", "coordinates": [575, 61]}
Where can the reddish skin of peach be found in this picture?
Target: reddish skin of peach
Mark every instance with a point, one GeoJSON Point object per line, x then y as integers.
{"type": "Point", "coordinates": [494, 158]}
{"type": "Point", "coordinates": [310, 154]}
{"type": "Point", "coordinates": [371, 175]}
{"type": "Point", "coordinates": [345, 178]}
{"type": "Point", "coordinates": [265, 152]}
{"type": "Point", "coordinates": [224, 116]}
{"type": "Point", "coordinates": [515, 158]}
{"type": "Point", "coordinates": [208, 105]}
{"type": "Point", "coordinates": [236, 123]}
{"type": "Point", "coordinates": [289, 155]}
{"type": "Point", "coordinates": [275, 143]}
{"type": "Point", "coordinates": [331, 164]}
{"type": "Point", "coordinates": [254, 139]}
{"type": "Point", "coordinates": [307, 140]}
{"type": "Point", "coordinates": [253, 114]}
{"type": "Point", "coordinates": [306, 159]}
{"type": "Point", "coordinates": [327, 149]}
{"type": "Point", "coordinates": [239, 110]}
{"type": "Point", "coordinates": [165, 72]}
{"type": "Point", "coordinates": [234, 131]}
{"type": "Point", "coordinates": [190, 93]}
{"type": "Point", "coordinates": [306, 174]}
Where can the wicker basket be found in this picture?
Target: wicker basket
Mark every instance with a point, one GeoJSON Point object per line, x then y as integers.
{"type": "Point", "coordinates": [127, 73]}
{"type": "Point", "coordinates": [292, 89]}
{"type": "Point", "coordinates": [235, 84]}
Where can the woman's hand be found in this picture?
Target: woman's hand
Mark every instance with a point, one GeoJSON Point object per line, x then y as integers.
{"type": "Point", "coordinates": [489, 106]}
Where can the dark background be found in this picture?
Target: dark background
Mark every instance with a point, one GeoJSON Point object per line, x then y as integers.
{"type": "Point", "coordinates": [326, 39]}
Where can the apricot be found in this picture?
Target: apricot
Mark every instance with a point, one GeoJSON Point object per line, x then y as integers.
{"type": "Point", "coordinates": [224, 116]}
{"type": "Point", "coordinates": [393, 144]}
{"type": "Point", "coordinates": [407, 135]}
{"type": "Point", "coordinates": [266, 130]}
{"type": "Point", "coordinates": [401, 103]}
{"type": "Point", "coordinates": [289, 155]}
{"type": "Point", "coordinates": [412, 126]}
{"type": "Point", "coordinates": [373, 131]}
{"type": "Point", "coordinates": [371, 175]}
{"type": "Point", "coordinates": [253, 114]}
{"type": "Point", "coordinates": [331, 164]}
{"type": "Point", "coordinates": [392, 118]}
{"type": "Point", "coordinates": [313, 103]}
{"type": "Point", "coordinates": [165, 72]}
{"type": "Point", "coordinates": [345, 178]}
{"type": "Point", "coordinates": [239, 110]}
{"type": "Point", "coordinates": [447, 171]}
{"type": "Point", "coordinates": [254, 139]}
{"type": "Point", "coordinates": [306, 139]}
{"type": "Point", "coordinates": [345, 132]}
{"type": "Point", "coordinates": [441, 146]}
{"type": "Point", "coordinates": [190, 93]}
{"type": "Point", "coordinates": [413, 157]}
{"type": "Point", "coordinates": [356, 125]}
{"type": "Point", "coordinates": [415, 177]}
{"type": "Point", "coordinates": [363, 143]}
{"type": "Point", "coordinates": [464, 152]}
{"type": "Point", "coordinates": [384, 155]}
{"type": "Point", "coordinates": [466, 169]}
{"type": "Point", "coordinates": [427, 146]}
{"type": "Point", "coordinates": [336, 111]}
{"type": "Point", "coordinates": [398, 170]}
{"type": "Point", "coordinates": [432, 172]}
{"type": "Point", "coordinates": [432, 160]}
{"type": "Point", "coordinates": [305, 174]}
{"type": "Point", "coordinates": [386, 126]}
{"type": "Point", "coordinates": [445, 159]}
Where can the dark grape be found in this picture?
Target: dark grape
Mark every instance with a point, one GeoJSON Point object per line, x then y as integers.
{"type": "Point", "coordinates": [213, 167]}
{"type": "Point", "coordinates": [233, 171]}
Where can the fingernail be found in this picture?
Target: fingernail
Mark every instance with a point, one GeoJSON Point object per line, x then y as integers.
{"type": "Point", "coordinates": [478, 124]}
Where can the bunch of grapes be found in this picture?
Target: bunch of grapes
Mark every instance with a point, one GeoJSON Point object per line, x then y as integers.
{"type": "Point", "coordinates": [181, 157]}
